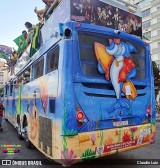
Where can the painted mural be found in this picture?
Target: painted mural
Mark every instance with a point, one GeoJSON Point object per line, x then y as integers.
{"type": "Point", "coordinates": [116, 63]}
{"type": "Point", "coordinates": [101, 13]}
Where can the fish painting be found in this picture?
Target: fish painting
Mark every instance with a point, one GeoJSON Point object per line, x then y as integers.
{"type": "Point", "coordinates": [115, 61]}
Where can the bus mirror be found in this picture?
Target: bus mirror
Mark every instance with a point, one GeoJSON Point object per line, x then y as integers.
{"type": "Point", "coordinates": [117, 31]}
{"type": "Point", "coordinates": [67, 33]}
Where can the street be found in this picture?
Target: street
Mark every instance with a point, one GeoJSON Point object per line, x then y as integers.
{"type": "Point", "coordinates": [9, 136]}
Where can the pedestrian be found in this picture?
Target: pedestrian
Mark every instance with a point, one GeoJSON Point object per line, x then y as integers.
{"type": "Point", "coordinates": [1, 114]}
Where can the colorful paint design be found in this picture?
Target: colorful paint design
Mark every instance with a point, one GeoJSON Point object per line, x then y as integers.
{"type": "Point", "coordinates": [116, 62]}
{"type": "Point", "coordinates": [101, 13]}
{"type": "Point", "coordinates": [50, 103]}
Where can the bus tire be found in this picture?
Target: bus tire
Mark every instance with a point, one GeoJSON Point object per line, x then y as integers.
{"type": "Point", "coordinates": [19, 133]}
{"type": "Point", "coordinates": [6, 119]}
{"type": "Point", "coordinates": [28, 143]}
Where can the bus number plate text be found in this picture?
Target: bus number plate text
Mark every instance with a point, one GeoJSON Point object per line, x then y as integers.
{"type": "Point", "coordinates": [120, 123]}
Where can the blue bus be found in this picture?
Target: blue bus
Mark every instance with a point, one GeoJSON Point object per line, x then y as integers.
{"type": "Point", "coordinates": [88, 92]}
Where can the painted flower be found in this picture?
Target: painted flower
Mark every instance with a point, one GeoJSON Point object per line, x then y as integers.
{"type": "Point", "coordinates": [93, 138]}
{"type": "Point", "coordinates": [126, 137]}
{"type": "Point", "coordinates": [133, 129]}
{"type": "Point", "coordinates": [68, 157]}
{"type": "Point", "coordinates": [116, 132]}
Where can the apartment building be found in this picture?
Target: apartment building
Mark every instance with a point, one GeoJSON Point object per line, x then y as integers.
{"type": "Point", "coordinates": [151, 25]}
{"type": "Point", "coordinates": [3, 74]}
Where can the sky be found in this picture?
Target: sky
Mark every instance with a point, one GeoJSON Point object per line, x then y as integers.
{"type": "Point", "coordinates": [13, 15]}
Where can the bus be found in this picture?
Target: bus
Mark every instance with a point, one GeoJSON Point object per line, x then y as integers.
{"type": "Point", "coordinates": [88, 91]}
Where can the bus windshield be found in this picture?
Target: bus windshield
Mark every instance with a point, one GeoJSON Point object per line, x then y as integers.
{"type": "Point", "coordinates": [88, 55]}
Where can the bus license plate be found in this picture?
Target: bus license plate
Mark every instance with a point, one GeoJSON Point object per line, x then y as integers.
{"type": "Point", "coordinates": [120, 123]}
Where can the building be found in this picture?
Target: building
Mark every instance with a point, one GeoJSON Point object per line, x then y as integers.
{"type": "Point", "coordinates": [3, 74]}
{"type": "Point", "coordinates": [151, 25]}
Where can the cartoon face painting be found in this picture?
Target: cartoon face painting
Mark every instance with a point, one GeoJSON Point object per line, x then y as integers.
{"type": "Point", "coordinates": [116, 63]}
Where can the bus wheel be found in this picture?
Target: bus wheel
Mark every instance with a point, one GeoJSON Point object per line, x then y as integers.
{"type": "Point", "coordinates": [20, 137]}
{"type": "Point", "coordinates": [28, 143]}
{"type": "Point", "coordinates": [25, 135]}
{"type": "Point", "coordinates": [6, 119]}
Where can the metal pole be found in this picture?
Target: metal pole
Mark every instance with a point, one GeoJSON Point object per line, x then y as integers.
{"type": "Point", "coordinates": [50, 9]}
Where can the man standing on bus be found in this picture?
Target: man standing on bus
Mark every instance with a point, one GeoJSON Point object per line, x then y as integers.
{"type": "Point", "coordinates": [1, 114]}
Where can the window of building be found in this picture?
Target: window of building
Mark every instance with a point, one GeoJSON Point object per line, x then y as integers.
{"type": "Point", "coordinates": [146, 13]}
{"type": "Point", "coordinates": [158, 8]}
{"type": "Point", "coordinates": [158, 32]}
{"type": "Point", "coordinates": [52, 60]}
{"type": "Point", "coordinates": [147, 34]}
{"type": "Point", "coordinates": [158, 20]}
{"type": "Point", "coordinates": [38, 69]}
{"type": "Point", "coordinates": [146, 25]}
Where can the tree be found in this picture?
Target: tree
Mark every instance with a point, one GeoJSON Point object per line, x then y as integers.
{"type": "Point", "coordinates": [155, 71]}
{"type": "Point", "coordinates": [156, 76]}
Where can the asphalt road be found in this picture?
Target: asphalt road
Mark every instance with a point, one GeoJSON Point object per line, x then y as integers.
{"type": "Point", "coordinates": [9, 136]}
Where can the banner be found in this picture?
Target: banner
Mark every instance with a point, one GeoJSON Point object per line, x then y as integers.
{"type": "Point", "coordinates": [5, 52]}
{"type": "Point", "coordinates": [103, 14]}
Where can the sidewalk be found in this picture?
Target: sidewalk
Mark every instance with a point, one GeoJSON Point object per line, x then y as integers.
{"type": "Point", "coordinates": [158, 117]}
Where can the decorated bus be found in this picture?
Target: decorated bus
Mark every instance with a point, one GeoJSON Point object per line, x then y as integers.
{"type": "Point", "coordinates": [88, 91]}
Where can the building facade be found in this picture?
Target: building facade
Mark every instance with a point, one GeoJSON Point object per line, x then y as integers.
{"type": "Point", "coordinates": [151, 25]}
{"type": "Point", "coordinates": [3, 74]}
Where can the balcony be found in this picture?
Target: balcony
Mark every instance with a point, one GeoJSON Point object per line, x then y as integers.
{"type": "Point", "coordinates": [155, 38]}
{"type": "Point", "coordinates": [155, 26]}
{"type": "Point", "coordinates": [155, 50]}
{"type": "Point", "coordinates": [155, 14]}
{"type": "Point", "coordinates": [155, 2]}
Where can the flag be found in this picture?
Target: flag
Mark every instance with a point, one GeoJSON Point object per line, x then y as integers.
{"type": "Point", "coordinates": [35, 41]}
{"type": "Point", "coordinates": [21, 43]}
{"type": "Point", "coordinates": [4, 56]}
{"type": "Point", "coordinates": [5, 52]}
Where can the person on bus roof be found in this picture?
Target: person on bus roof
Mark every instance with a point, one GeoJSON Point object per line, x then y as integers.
{"type": "Point", "coordinates": [25, 35]}
{"type": "Point", "coordinates": [31, 29]}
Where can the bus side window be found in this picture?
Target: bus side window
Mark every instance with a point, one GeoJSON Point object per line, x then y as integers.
{"type": "Point", "coordinates": [6, 90]}
{"type": "Point", "coordinates": [19, 80]}
{"type": "Point", "coordinates": [15, 84]}
{"type": "Point", "coordinates": [38, 69]}
{"type": "Point", "coordinates": [11, 88]}
{"type": "Point", "coordinates": [27, 76]}
{"type": "Point", "coordinates": [52, 60]}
